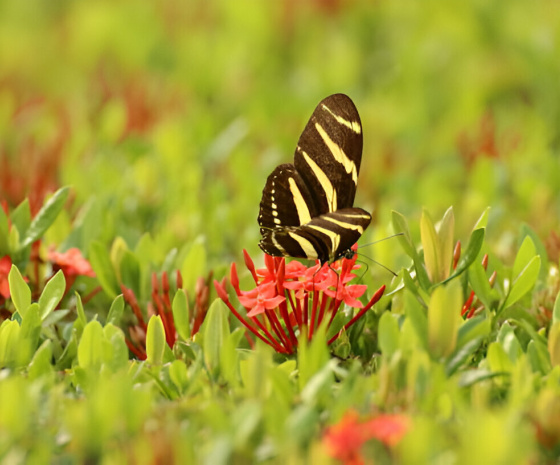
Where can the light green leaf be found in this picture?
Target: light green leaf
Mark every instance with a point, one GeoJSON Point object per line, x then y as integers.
{"type": "Point", "coordinates": [19, 290]}
{"type": "Point", "coordinates": [52, 294]}
{"type": "Point", "coordinates": [45, 217]}
{"type": "Point", "coordinates": [116, 310]}
{"type": "Point", "coordinates": [194, 265]}
{"type": "Point", "coordinates": [90, 354]}
{"type": "Point", "coordinates": [388, 334]}
{"type": "Point", "coordinates": [9, 342]}
{"type": "Point", "coordinates": [556, 309]}
{"type": "Point", "coordinates": [525, 254]}
{"type": "Point", "coordinates": [181, 314]}
{"type": "Point", "coordinates": [155, 340]}
{"type": "Point", "coordinates": [480, 285]}
{"type": "Point", "coordinates": [498, 360]}
{"type": "Point", "coordinates": [470, 254]}
{"type": "Point", "coordinates": [101, 264]}
{"type": "Point", "coordinates": [444, 318]}
{"type": "Point", "coordinates": [431, 246]}
{"type": "Point", "coordinates": [524, 282]}
{"type": "Point", "coordinates": [215, 330]}
{"type": "Point", "coordinates": [482, 222]}
{"type": "Point", "coordinates": [445, 234]}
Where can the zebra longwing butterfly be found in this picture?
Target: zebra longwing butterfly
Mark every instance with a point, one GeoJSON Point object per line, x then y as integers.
{"type": "Point", "coordinates": [307, 208]}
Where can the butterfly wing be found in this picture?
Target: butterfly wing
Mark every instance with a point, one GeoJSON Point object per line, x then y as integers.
{"type": "Point", "coordinates": [329, 153]}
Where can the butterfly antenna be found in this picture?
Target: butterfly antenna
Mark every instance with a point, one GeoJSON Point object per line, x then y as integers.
{"type": "Point", "coordinates": [381, 240]}
{"type": "Point", "coordinates": [380, 264]}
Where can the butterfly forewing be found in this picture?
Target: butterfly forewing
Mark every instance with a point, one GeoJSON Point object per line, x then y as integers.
{"type": "Point", "coordinates": [329, 153]}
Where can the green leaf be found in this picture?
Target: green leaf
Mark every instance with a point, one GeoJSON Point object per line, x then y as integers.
{"type": "Point", "coordinates": [181, 314]}
{"type": "Point", "coordinates": [41, 364]}
{"type": "Point", "coordinates": [475, 328]}
{"type": "Point", "coordinates": [19, 290]}
{"type": "Point", "coordinates": [480, 285]}
{"type": "Point", "coordinates": [101, 264]}
{"type": "Point", "coordinates": [524, 282]}
{"type": "Point", "coordinates": [469, 255]}
{"type": "Point", "coordinates": [554, 344]}
{"type": "Point", "coordinates": [431, 246]}
{"type": "Point", "coordinates": [388, 334]}
{"type": "Point", "coordinates": [31, 325]}
{"type": "Point", "coordinates": [155, 340]}
{"type": "Point", "coordinates": [482, 222]}
{"type": "Point", "coordinates": [116, 310]}
{"type": "Point", "coordinates": [179, 375]}
{"type": "Point", "coordinates": [9, 342]}
{"type": "Point", "coordinates": [194, 265]}
{"type": "Point", "coordinates": [400, 225]}
{"type": "Point", "coordinates": [215, 330]}
{"type": "Point", "coordinates": [130, 271]}
{"type": "Point", "coordinates": [445, 234]}
{"type": "Point", "coordinates": [45, 217]}
{"type": "Point", "coordinates": [444, 319]}
{"type": "Point", "coordinates": [416, 314]}
{"type": "Point", "coordinates": [4, 233]}
{"type": "Point", "coordinates": [21, 216]}
{"type": "Point", "coordinates": [539, 357]}
{"type": "Point", "coordinates": [498, 360]}
{"type": "Point", "coordinates": [89, 349]}
{"type": "Point", "coordinates": [556, 309]}
{"type": "Point", "coordinates": [52, 294]}
{"type": "Point", "coordinates": [526, 253]}
{"type": "Point", "coordinates": [80, 310]}
{"type": "Point", "coordinates": [461, 355]}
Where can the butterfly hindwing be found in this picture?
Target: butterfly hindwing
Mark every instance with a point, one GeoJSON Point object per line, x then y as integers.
{"type": "Point", "coordinates": [286, 200]}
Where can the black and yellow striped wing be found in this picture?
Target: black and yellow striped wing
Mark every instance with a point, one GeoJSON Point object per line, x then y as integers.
{"type": "Point", "coordinates": [306, 208]}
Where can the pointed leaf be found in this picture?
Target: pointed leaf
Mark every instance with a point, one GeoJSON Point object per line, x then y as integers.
{"type": "Point", "coordinates": [45, 217]}
{"type": "Point", "coordinates": [52, 294]}
{"type": "Point", "coordinates": [469, 256]}
{"type": "Point", "coordinates": [101, 264]}
{"type": "Point", "coordinates": [445, 234]}
{"type": "Point", "coordinates": [431, 246]}
{"type": "Point", "coordinates": [525, 254]}
{"type": "Point", "coordinates": [181, 314]}
{"type": "Point", "coordinates": [155, 340]}
{"type": "Point", "coordinates": [524, 281]}
{"type": "Point", "coordinates": [215, 330]}
{"type": "Point", "coordinates": [19, 290]}
{"type": "Point", "coordinates": [388, 334]}
{"type": "Point", "coordinates": [116, 310]}
{"type": "Point", "coordinates": [89, 353]}
{"type": "Point", "coordinates": [444, 319]}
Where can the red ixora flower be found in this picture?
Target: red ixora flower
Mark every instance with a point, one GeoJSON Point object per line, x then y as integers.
{"type": "Point", "coordinates": [5, 267]}
{"type": "Point", "coordinates": [72, 263]}
{"type": "Point", "coordinates": [345, 439]}
{"type": "Point", "coordinates": [291, 300]}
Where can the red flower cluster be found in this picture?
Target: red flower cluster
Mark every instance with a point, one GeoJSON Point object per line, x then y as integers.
{"type": "Point", "coordinates": [345, 439]}
{"type": "Point", "coordinates": [72, 263]}
{"type": "Point", "coordinates": [291, 299]}
{"type": "Point", "coordinates": [161, 305]}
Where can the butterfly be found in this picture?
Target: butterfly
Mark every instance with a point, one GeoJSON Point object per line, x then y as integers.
{"type": "Point", "coordinates": [306, 210]}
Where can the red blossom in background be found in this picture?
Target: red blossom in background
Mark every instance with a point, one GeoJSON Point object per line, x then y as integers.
{"type": "Point", "coordinates": [161, 305]}
{"type": "Point", "coordinates": [291, 299]}
{"type": "Point", "coordinates": [5, 267]}
{"type": "Point", "coordinates": [344, 440]}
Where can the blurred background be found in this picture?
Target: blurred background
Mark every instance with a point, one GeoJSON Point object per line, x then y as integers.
{"type": "Point", "coordinates": [166, 117]}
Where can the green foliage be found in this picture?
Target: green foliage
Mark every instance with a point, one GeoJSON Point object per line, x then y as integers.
{"type": "Point", "coordinates": [165, 150]}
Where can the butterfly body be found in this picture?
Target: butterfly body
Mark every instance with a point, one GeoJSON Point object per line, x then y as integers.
{"type": "Point", "coordinates": [307, 209]}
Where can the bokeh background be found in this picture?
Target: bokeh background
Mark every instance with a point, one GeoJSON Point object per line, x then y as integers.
{"type": "Point", "coordinates": [167, 116]}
